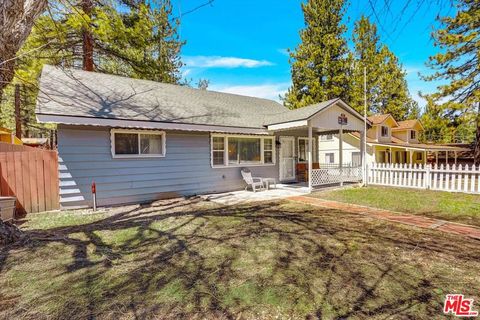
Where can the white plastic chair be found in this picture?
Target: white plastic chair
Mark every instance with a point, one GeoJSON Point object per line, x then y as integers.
{"type": "Point", "coordinates": [253, 182]}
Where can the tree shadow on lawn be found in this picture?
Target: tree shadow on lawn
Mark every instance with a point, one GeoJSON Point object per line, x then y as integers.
{"type": "Point", "coordinates": [186, 258]}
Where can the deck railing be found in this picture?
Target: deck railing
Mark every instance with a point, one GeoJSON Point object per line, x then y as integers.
{"type": "Point", "coordinates": [332, 174]}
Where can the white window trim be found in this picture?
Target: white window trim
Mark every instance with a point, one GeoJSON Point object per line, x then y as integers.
{"type": "Point", "coordinates": [136, 156]}
{"type": "Point", "coordinates": [313, 148]}
{"type": "Point", "coordinates": [245, 164]}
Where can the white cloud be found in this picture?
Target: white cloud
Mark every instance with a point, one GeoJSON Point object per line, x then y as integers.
{"type": "Point", "coordinates": [186, 72]}
{"type": "Point", "coordinates": [266, 91]}
{"type": "Point", "coordinates": [223, 62]}
{"type": "Point", "coordinates": [284, 52]}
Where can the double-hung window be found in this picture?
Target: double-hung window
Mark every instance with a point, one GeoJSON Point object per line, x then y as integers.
{"type": "Point", "coordinates": [385, 131]}
{"type": "Point", "coordinates": [229, 150]}
{"type": "Point", "coordinates": [413, 134]}
{"type": "Point", "coordinates": [329, 158]}
{"type": "Point", "coordinates": [137, 143]}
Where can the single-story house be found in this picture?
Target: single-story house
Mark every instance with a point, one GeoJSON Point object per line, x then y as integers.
{"type": "Point", "coordinates": [143, 140]}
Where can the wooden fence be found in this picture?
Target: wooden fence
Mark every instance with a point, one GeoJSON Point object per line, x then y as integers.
{"type": "Point", "coordinates": [451, 178]}
{"type": "Point", "coordinates": [30, 175]}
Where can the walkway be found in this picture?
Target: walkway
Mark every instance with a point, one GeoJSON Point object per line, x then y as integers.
{"type": "Point", "coordinates": [418, 221]}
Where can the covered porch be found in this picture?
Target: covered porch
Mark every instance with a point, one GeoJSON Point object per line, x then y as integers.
{"type": "Point", "coordinates": [416, 153]}
{"type": "Point", "coordinates": [297, 141]}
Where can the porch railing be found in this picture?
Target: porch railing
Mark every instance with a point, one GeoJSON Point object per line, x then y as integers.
{"type": "Point", "coordinates": [334, 174]}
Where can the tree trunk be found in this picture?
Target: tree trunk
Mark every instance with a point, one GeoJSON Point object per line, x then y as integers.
{"type": "Point", "coordinates": [476, 153]}
{"type": "Point", "coordinates": [87, 38]}
{"type": "Point", "coordinates": [18, 113]}
{"type": "Point", "coordinates": [16, 21]}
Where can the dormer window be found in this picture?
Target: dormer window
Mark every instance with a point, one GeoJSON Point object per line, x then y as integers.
{"type": "Point", "coordinates": [384, 131]}
{"type": "Point", "coordinates": [413, 134]}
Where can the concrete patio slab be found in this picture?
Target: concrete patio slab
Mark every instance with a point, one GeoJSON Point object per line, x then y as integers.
{"type": "Point", "coordinates": [246, 196]}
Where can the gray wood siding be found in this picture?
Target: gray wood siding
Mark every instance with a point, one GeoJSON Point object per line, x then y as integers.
{"type": "Point", "coordinates": [84, 156]}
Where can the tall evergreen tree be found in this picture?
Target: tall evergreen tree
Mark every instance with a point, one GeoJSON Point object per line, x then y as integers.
{"type": "Point", "coordinates": [139, 41]}
{"type": "Point", "coordinates": [319, 64]}
{"type": "Point", "coordinates": [459, 63]}
{"type": "Point", "coordinates": [387, 90]}
{"type": "Point", "coordinates": [394, 97]}
{"type": "Point", "coordinates": [444, 127]}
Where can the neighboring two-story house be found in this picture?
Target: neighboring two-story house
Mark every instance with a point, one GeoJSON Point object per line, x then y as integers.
{"type": "Point", "coordinates": [388, 141]}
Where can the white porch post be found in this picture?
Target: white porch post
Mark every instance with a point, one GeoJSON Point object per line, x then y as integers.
{"type": "Point", "coordinates": [411, 156]}
{"type": "Point", "coordinates": [363, 158]}
{"type": "Point", "coordinates": [340, 157]}
{"type": "Point", "coordinates": [455, 154]}
{"type": "Point", "coordinates": [425, 157]}
{"type": "Point", "coordinates": [446, 157]}
{"type": "Point", "coordinates": [436, 158]}
{"type": "Point", "coordinates": [310, 158]}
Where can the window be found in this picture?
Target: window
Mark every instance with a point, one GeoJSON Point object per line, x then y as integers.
{"type": "Point", "coordinates": [329, 157]}
{"type": "Point", "coordinates": [326, 137]}
{"type": "Point", "coordinates": [303, 149]}
{"type": "Point", "coordinates": [356, 158]}
{"type": "Point", "coordinates": [419, 156]}
{"type": "Point", "coordinates": [218, 151]}
{"type": "Point", "coordinates": [268, 150]}
{"type": "Point", "coordinates": [242, 150]}
{"type": "Point", "coordinates": [384, 131]}
{"type": "Point", "coordinates": [413, 134]}
{"type": "Point", "coordinates": [134, 144]}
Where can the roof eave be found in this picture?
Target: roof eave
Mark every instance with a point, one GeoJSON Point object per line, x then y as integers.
{"type": "Point", "coordinates": [126, 123]}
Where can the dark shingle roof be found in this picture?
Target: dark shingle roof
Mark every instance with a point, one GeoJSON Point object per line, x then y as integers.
{"type": "Point", "coordinates": [406, 124]}
{"type": "Point", "coordinates": [300, 113]}
{"type": "Point", "coordinates": [89, 94]}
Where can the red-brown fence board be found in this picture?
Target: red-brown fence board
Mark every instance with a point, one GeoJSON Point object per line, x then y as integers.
{"type": "Point", "coordinates": [30, 175]}
{"type": "Point", "coordinates": [34, 185]}
{"type": "Point", "coordinates": [41, 181]}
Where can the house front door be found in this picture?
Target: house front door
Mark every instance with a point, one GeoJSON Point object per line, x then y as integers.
{"type": "Point", "coordinates": [287, 158]}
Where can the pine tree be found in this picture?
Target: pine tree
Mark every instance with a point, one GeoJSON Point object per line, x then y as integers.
{"type": "Point", "coordinates": [446, 123]}
{"type": "Point", "coordinates": [387, 90]}
{"type": "Point", "coordinates": [319, 64]}
{"type": "Point", "coordinates": [140, 42]}
{"type": "Point", "coordinates": [394, 97]}
{"type": "Point", "coordinates": [458, 64]}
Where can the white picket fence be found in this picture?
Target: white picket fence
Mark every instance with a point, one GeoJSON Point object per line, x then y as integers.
{"type": "Point", "coordinates": [461, 178]}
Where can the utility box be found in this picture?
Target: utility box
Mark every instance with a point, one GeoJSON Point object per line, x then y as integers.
{"type": "Point", "coordinates": [7, 208]}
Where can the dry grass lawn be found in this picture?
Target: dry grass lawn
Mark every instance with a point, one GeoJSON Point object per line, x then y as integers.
{"type": "Point", "coordinates": [455, 207]}
{"type": "Point", "coordinates": [190, 259]}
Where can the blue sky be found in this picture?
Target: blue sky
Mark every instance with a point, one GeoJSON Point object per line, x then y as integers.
{"type": "Point", "coordinates": [240, 46]}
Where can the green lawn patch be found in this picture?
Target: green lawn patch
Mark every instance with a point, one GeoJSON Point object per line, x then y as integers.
{"type": "Point", "coordinates": [190, 259]}
{"type": "Point", "coordinates": [455, 207]}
